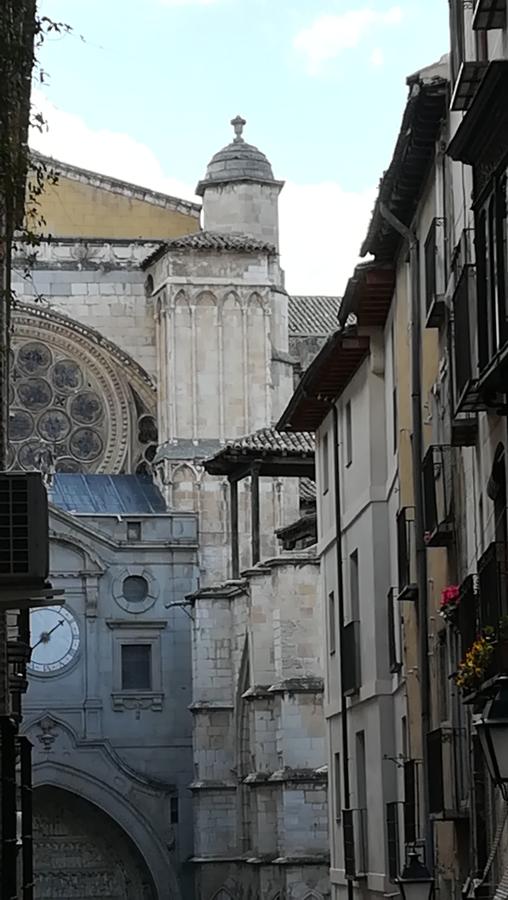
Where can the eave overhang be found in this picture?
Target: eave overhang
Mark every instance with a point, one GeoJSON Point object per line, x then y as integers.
{"type": "Point", "coordinates": [368, 295]}
{"type": "Point", "coordinates": [237, 461]}
{"type": "Point", "coordinates": [324, 380]}
{"type": "Point", "coordinates": [402, 184]}
{"type": "Point", "coordinates": [486, 118]}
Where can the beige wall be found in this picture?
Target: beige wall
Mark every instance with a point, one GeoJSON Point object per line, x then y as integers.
{"type": "Point", "coordinates": [75, 208]}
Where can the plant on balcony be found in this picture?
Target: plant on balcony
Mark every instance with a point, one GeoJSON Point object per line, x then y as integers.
{"type": "Point", "coordinates": [472, 669]}
{"type": "Point", "coordinates": [449, 603]}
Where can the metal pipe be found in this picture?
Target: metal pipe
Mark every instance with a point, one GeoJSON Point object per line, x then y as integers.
{"type": "Point", "coordinates": [421, 553]}
{"type": "Point", "coordinates": [341, 617]}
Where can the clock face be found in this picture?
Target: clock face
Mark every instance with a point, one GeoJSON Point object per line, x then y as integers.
{"type": "Point", "coordinates": [54, 639]}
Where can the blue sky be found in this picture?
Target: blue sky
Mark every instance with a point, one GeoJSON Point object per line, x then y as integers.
{"type": "Point", "coordinates": [321, 83]}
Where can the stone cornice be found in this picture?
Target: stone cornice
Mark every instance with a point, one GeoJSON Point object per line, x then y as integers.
{"type": "Point", "coordinates": [78, 254]}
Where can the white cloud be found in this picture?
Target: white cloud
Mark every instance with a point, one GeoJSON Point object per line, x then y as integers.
{"type": "Point", "coordinates": [321, 229]}
{"type": "Point", "coordinates": [321, 225]}
{"type": "Point", "coordinates": [332, 33]}
{"type": "Point", "coordinates": [377, 57]}
{"type": "Point", "coordinates": [69, 139]}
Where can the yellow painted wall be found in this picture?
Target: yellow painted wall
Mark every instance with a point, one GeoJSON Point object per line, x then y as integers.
{"type": "Point", "coordinates": [75, 209]}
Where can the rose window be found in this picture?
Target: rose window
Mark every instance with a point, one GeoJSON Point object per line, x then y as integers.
{"type": "Point", "coordinates": [57, 411]}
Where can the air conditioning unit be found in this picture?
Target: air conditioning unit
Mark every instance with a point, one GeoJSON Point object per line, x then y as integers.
{"type": "Point", "coordinates": [24, 539]}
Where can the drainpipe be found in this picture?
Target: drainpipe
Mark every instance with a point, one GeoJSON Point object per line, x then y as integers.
{"type": "Point", "coordinates": [340, 608]}
{"type": "Point", "coordinates": [421, 553]}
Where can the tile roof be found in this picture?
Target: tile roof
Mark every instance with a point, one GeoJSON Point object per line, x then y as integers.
{"type": "Point", "coordinates": [307, 490]}
{"type": "Point", "coordinates": [106, 494]}
{"type": "Point", "coordinates": [212, 240]}
{"type": "Point", "coordinates": [312, 315]}
{"type": "Point", "coordinates": [276, 453]}
{"type": "Point", "coordinates": [269, 440]}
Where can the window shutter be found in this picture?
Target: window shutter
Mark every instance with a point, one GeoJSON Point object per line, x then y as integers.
{"type": "Point", "coordinates": [349, 843]}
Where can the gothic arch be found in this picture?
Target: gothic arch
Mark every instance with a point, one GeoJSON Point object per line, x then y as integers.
{"type": "Point", "coordinates": [205, 298]}
{"type": "Point", "coordinates": [313, 895]}
{"type": "Point", "coordinates": [114, 804]}
{"type": "Point", "coordinates": [231, 300]}
{"type": "Point", "coordinates": [222, 894]}
{"type": "Point", "coordinates": [78, 846]}
{"type": "Point", "coordinates": [181, 298]}
{"type": "Point", "coordinates": [184, 480]}
{"type": "Point", "coordinates": [256, 299]}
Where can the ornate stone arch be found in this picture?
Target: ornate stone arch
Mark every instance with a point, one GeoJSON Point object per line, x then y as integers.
{"type": "Point", "coordinates": [94, 564]}
{"type": "Point", "coordinates": [75, 396]}
{"type": "Point", "coordinates": [313, 895]}
{"type": "Point", "coordinates": [114, 804]}
{"type": "Point", "coordinates": [205, 298]}
{"type": "Point", "coordinates": [222, 894]}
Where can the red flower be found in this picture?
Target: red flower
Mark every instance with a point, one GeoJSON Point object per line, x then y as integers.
{"type": "Point", "coordinates": [449, 595]}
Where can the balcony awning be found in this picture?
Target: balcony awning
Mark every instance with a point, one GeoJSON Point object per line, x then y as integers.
{"type": "Point", "coordinates": [414, 152]}
{"type": "Point", "coordinates": [368, 294]}
{"type": "Point", "coordinates": [324, 380]}
{"type": "Point", "coordinates": [269, 451]}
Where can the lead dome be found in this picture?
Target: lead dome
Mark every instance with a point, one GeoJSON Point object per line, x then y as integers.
{"type": "Point", "coordinates": [238, 161]}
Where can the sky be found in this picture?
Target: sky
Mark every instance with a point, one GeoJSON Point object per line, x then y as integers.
{"type": "Point", "coordinates": [144, 90]}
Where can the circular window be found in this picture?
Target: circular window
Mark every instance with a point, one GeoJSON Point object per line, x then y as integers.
{"type": "Point", "coordinates": [135, 588]}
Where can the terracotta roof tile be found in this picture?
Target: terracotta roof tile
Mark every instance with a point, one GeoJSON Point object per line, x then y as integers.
{"type": "Point", "coordinates": [212, 240]}
{"type": "Point", "coordinates": [312, 315]}
{"type": "Point", "coordinates": [272, 441]}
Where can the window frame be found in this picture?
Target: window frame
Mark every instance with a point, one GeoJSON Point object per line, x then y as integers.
{"type": "Point", "coordinates": [491, 229]}
{"type": "Point", "coordinates": [141, 632]}
{"type": "Point", "coordinates": [136, 688]}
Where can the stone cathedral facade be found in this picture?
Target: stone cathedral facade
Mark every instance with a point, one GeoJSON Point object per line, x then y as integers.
{"type": "Point", "coordinates": [144, 342]}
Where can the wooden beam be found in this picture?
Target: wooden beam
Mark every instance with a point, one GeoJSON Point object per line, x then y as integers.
{"type": "Point", "coordinates": [255, 520]}
{"type": "Point", "coordinates": [235, 554]}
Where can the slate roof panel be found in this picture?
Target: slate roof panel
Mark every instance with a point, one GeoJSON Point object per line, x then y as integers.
{"type": "Point", "coordinates": [106, 494]}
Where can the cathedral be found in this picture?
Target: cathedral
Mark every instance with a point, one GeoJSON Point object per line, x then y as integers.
{"type": "Point", "coordinates": [175, 704]}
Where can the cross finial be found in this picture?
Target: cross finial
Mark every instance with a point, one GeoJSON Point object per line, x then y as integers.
{"type": "Point", "coordinates": [238, 124]}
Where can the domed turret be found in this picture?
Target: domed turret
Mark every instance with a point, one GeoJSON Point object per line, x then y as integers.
{"type": "Point", "coordinates": [239, 191]}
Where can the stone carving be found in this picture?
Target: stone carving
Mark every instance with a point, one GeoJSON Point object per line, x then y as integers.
{"type": "Point", "coordinates": [66, 378]}
{"type": "Point", "coordinates": [46, 736]}
{"type": "Point", "coordinates": [80, 853]}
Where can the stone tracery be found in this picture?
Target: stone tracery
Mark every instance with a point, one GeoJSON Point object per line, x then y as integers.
{"type": "Point", "coordinates": [72, 408]}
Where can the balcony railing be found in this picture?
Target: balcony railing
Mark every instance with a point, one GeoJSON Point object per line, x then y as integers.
{"type": "Point", "coordinates": [354, 823]}
{"type": "Point", "coordinates": [489, 14]}
{"type": "Point", "coordinates": [406, 553]}
{"type": "Point", "coordinates": [393, 840]}
{"type": "Point", "coordinates": [492, 584]}
{"type": "Point", "coordinates": [467, 397]}
{"type": "Point", "coordinates": [351, 661]}
{"type": "Point", "coordinates": [394, 631]}
{"type": "Point", "coordinates": [443, 787]}
{"type": "Point", "coordinates": [434, 274]}
{"type": "Point", "coordinates": [467, 616]}
{"type": "Point", "coordinates": [411, 801]}
{"type": "Point", "coordinates": [437, 494]}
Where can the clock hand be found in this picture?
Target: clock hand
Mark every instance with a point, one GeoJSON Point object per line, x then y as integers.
{"type": "Point", "coordinates": [45, 636]}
